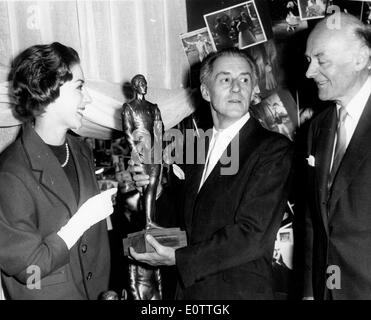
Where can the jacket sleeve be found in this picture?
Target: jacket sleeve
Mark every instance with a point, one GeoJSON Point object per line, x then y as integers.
{"type": "Point", "coordinates": [21, 244]}
{"type": "Point", "coordinates": [257, 219]}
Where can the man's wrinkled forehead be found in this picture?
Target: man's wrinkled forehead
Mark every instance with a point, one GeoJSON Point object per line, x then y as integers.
{"type": "Point", "coordinates": [227, 63]}
{"type": "Point", "coordinates": [316, 44]}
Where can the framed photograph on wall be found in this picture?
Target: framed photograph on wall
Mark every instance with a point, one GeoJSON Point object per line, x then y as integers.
{"type": "Point", "coordinates": [236, 26]}
{"type": "Point", "coordinates": [265, 56]}
{"type": "Point", "coordinates": [312, 9]}
{"type": "Point", "coordinates": [285, 18]}
{"type": "Point", "coordinates": [197, 45]}
{"type": "Point", "coordinates": [278, 112]}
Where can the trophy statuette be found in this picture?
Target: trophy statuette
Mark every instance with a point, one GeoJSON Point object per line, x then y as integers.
{"type": "Point", "coordinates": [143, 129]}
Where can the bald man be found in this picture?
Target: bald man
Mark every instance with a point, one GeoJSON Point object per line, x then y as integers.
{"type": "Point", "coordinates": [338, 253]}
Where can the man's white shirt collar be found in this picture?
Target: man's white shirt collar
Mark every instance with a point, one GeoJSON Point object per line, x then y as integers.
{"type": "Point", "coordinates": [225, 136]}
{"type": "Point", "coordinates": [231, 131]}
{"type": "Point", "coordinates": [358, 102]}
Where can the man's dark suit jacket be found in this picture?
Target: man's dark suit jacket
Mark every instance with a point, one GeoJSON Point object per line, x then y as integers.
{"type": "Point", "coordinates": [339, 223]}
{"type": "Point", "coordinates": [233, 220]}
{"type": "Point", "coordinates": [36, 200]}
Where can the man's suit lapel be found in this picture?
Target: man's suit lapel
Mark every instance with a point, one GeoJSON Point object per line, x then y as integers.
{"type": "Point", "coordinates": [356, 153]}
{"type": "Point", "coordinates": [323, 157]}
{"type": "Point", "coordinates": [213, 175]}
{"type": "Point", "coordinates": [193, 183]}
{"type": "Point", "coordinates": [193, 179]}
{"type": "Point", "coordinates": [47, 168]}
{"type": "Point", "coordinates": [243, 142]}
{"type": "Point", "coordinates": [246, 139]}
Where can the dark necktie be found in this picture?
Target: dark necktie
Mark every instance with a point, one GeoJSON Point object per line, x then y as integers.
{"type": "Point", "coordinates": [340, 147]}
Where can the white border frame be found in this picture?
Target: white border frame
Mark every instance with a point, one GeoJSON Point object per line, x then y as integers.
{"type": "Point", "coordinates": [231, 7]}
{"type": "Point", "coordinates": [311, 18]}
{"type": "Point", "coordinates": [193, 33]}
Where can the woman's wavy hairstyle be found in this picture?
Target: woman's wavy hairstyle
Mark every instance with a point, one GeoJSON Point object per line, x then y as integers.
{"type": "Point", "coordinates": [37, 74]}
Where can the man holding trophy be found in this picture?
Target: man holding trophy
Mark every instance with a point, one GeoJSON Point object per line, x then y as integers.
{"type": "Point", "coordinates": [231, 218]}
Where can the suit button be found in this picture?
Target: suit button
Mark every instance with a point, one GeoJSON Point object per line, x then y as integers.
{"type": "Point", "coordinates": [88, 277]}
{"type": "Point", "coordinates": [84, 248]}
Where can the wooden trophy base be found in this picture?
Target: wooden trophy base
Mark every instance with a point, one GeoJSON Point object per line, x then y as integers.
{"type": "Point", "coordinates": [169, 237]}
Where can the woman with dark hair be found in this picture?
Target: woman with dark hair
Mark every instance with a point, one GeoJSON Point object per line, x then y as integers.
{"type": "Point", "coordinates": [53, 237]}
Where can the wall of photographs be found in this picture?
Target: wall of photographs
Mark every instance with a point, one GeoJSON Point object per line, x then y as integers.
{"type": "Point", "coordinates": [273, 33]}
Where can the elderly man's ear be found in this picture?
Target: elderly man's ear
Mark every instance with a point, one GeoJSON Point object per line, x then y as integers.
{"type": "Point", "coordinates": [362, 59]}
{"type": "Point", "coordinates": [205, 92]}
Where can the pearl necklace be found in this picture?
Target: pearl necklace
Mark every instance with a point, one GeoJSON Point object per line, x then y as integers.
{"type": "Point", "coordinates": [67, 156]}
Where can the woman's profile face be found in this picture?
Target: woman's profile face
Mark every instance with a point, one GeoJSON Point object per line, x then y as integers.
{"type": "Point", "coordinates": [67, 109]}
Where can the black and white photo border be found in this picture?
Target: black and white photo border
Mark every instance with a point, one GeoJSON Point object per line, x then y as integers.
{"type": "Point", "coordinates": [231, 7]}
{"type": "Point", "coordinates": [192, 35]}
{"type": "Point", "coordinates": [302, 14]}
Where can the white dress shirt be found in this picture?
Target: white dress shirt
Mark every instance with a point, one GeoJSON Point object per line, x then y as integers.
{"type": "Point", "coordinates": [354, 109]}
{"type": "Point", "coordinates": [216, 149]}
